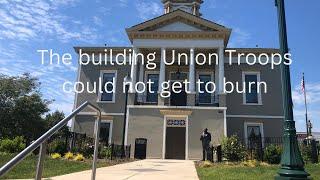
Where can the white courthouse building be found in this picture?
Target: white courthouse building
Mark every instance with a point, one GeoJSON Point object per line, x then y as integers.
{"type": "Point", "coordinates": [172, 126]}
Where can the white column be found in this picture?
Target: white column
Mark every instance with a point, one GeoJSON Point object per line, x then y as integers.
{"type": "Point", "coordinates": [221, 69]}
{"type": "Point", "coordinates": [216, 81]}
{"type": "Point", "coordinates": [141, 72]}
{"type": "Point", "coordinates": [133, 72]}
{"type": "Point", "coordinates": [192, 71]}
{"type": "Point", "coordinates": [162, 75]}
{"type": "Point", "coordinates": [141, 79]}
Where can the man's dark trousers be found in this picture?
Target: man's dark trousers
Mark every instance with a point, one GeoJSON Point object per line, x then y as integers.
{"type": "Point", "coordinates": [205, 150]}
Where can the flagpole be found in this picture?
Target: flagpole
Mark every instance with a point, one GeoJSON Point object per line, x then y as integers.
{"type": "Point", "coordinates": [305, 102]}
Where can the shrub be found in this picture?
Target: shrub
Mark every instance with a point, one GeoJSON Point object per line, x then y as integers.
{"type": "Point", "coordinates": [68, 155]}
{"type": "Point", "coordinates": [232, 149]}
{"type": "Point", "coordinates": [55, 156]}
{"type": "Point", "coordinates": [87, 150]}
{"type": "Point", "coordinates": [306, 153]}
{"type": "Point", "coordinates": [272, 154]}
{"type": "Point", "coordinates": [79, 157]}
{"type": "Point", "coordinates": [4, 154]}
{"type": "Point", "coordinates": [105, 152]}
{"type": "Point", "coordinates": [12, 145]}
{"type": "Point", "coordinates": [57, 146]}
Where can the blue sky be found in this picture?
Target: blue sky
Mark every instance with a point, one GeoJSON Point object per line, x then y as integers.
{"type": "Point", "coordinates": [28, 25]}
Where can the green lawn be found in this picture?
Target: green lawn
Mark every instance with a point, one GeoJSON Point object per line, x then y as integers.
{"type": "Point", "coordinates": [240, 172]}
{"type": "Point", "coordinates": [52, 167]}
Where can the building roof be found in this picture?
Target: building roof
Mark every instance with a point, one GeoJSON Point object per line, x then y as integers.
{"type": "Point", "coordinates": [210, 30]}
{"type": "Point", "coordinates": [182, 1]}
{"type": "Point", "coordinates": [100, 48]}
{"type": "Point", "coordinates": [120, 49]}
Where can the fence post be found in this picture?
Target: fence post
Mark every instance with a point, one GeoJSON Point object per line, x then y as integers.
{"type": "Point", "coordinates": [129, 151]}
{"type": "Point", "coordinates": [219, 153]}
{"type": "Point", "coordinates": [42, 154]}
{"type": "Point", "coordinates": [314, 151]}
{"type": "Point", "coordinates": [111, 152]}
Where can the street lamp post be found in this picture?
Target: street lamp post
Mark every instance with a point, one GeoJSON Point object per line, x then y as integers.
{"type": "Point", "coordinates": [292, 165]}
{"type": "Point", "coordinates": [126, 81]}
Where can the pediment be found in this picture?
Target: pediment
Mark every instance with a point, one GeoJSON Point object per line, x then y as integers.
{"type": "Point", "coordinates": [178, 26]}
{"type": "Point", "coordinates": [171, 20]}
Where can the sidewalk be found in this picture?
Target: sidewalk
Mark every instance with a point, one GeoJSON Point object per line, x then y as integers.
{"type": "Point", "coordinates": [153, 169]}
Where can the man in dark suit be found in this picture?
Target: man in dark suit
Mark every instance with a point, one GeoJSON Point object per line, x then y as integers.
{"type": "Point", "coordinates": [205, 138]}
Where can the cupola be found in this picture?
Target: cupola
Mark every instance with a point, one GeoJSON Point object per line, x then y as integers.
{"type": "Point", "coordinates": [189, 6]}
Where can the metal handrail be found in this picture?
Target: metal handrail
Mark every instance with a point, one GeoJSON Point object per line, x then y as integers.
{"type": "Point", "coordinates": [42, 141]}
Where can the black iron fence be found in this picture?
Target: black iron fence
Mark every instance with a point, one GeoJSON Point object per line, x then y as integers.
{"type": "Point", "coordinates": [256, 146]}
{"type": "Point", "coordinates": [83, 144]}
{"type": "Point", "coordinates": [120, 152]}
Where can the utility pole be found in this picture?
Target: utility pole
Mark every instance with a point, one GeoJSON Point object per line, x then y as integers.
{"type": "Point", "coordinates": [292, 165]}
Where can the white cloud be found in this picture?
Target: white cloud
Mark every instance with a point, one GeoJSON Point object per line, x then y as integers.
{"type": "Point", "coordinates": [123, 3]}
{"type": "Point", "coordinates": [97, 21]}
{"type": "Point", "coordinates": [212, 4]}
{"type": "Point", "coordinates": [313, 104]}
{"type": "Point", "coordinates": [66, 107]}
{"type": "Point", "coordinates": [147, 9]}
{"type": "Point", "coordinates": [239, 37]}
{"type": "Point", "coordinates": [28, 19]}
{"type": "Point", "coordinates": [312, 91]}
{"type": "Point", "coordinates": [104, 10]}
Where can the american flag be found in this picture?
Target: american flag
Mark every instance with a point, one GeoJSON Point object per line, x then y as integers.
{"type": "Point", "coordinates": [303, 84]}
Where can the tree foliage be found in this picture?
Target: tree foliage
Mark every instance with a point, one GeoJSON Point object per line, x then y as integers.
{"type": "Point", "coordinates": [54, 118]}
{"type": "Point", "coordinates": [21, 107]}
{"type": "Point", "coordinates": [14, 145]}
{"type": "Point", "coordinates": [59, 141]}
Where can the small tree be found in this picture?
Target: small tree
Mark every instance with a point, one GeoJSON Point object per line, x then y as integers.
{"type": "Point", "coordinates": [232, 149]}
{"type": "Point", "coordinates": [306, 152]}
{"type": "Point", "coordinates": [21, 107]}
{"type": "Point", "coordinates": [63, 135]}
{"type": "Point", "coordinates": [272, 154]}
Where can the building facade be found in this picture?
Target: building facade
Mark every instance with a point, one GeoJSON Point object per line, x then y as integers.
{"type": "Point", "coordinates": [173, 125]}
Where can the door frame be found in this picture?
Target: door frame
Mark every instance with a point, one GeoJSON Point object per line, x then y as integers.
{"type": "Point", "coordinates": [259, 124]}
{"type": "Point", "coordinates": [110, 128]}
{"type": "Point", "coordinates": [186, 118]}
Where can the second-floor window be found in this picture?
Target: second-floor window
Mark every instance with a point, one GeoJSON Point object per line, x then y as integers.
{"type": "Point", "coordinates": [252, 96]}
{"type": "Point", "coordinates": [153, 97]}
{"type": "Point", "coordinates": [108, 96]}
{"type": "Point", "coordinates": [205, 97]}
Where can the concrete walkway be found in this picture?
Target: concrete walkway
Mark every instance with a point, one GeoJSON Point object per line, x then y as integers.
{"type": "Point", "coordinates": [151, 169]}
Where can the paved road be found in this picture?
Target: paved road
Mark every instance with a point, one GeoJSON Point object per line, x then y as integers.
{"type": "Point", "coordinates": [151, 169]}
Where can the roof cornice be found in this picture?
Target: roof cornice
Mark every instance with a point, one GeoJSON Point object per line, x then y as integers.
{"type": "Point", "coordinates": [141, 31]}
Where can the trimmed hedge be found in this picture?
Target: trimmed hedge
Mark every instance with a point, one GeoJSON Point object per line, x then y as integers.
{"type": "Point", "coordinates": [272, 154]}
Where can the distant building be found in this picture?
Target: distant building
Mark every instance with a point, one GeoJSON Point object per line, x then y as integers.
{"type": "Point", "coordinates": [303, 135]}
